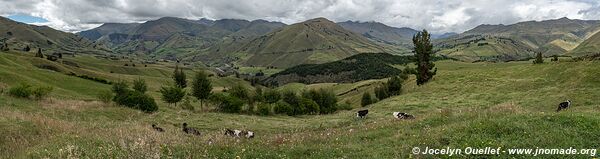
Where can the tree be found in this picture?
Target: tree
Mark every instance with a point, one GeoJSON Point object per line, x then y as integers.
{"type": "Point", "coordinates": [139, 85]}
{"type": "Point", "coordinates": [5, 47]}
{"type": "Point", "coordinates": [394, 86]}
{"type": "Point", "coordinates": [179, 77]}
{"type": "Point", "coordinates": [39, 53]}
{"type": "Point", "coordinates": [555, 58]}
{"type": "Point", "coordinates": [539, 58]}
{"type": "Point", "coordinates": [423, 51]}
{"type": "Point", "coordinates": [366, 99]}
{"type": "Point", "coordinates": [201, 87]}
{"type": "Point", "coordinates": [172, 94]}
{"type": "Point", "coordinates": [271, 96]}
{"type": "Point", "coordinates": [382, 92]}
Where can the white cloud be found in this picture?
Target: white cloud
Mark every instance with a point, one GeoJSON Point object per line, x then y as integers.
{"type": "Point", "coordinates": [435, 15]}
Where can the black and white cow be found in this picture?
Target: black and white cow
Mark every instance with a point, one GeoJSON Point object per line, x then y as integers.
{"type": "Point", "coordinates": [239, 133]}
{"type": "Point", "coordinates": [159, 129]}
{"type": "Point", "coordinates": [563, 105]}
{"type": "Point", "coordinates": [362, 113]}
{"type": "Point", "coordinates": [400, 115]}
{"type": "Point", "coordinates": [189, 130]}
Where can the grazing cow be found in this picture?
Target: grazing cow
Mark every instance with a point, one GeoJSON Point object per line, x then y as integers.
{"type": "Point", "coordinates": [400, 115]}
{"type": "Point", "coordinates": [189, 130]}
{"type": "Point", "coordinates": [159, 129]}
{"type": "Point", "coordinates": [239, 133]}
{"type": "Point", "coordinates": [362, 113]}
{"type": "Point", "coordinates": [563, 105]}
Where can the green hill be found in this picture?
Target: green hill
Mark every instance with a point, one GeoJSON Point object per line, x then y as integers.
{"type": "Point", "coordinates": [19, 35]}
{"type": "Point", "coordinates": [351, 69]}
{"type": "Point", "coordinates": [518, 41]}
{"type": "Point", "coordinates": [313, 41]}
{"type": "Point", "coordinates": [507, 105]}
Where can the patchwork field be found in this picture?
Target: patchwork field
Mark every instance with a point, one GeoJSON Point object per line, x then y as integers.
{"type": "Point", "coordinates": [508, 105]}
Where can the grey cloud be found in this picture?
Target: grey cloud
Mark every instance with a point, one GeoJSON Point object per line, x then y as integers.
{"type": "Point", "coordinates": [435, 15]}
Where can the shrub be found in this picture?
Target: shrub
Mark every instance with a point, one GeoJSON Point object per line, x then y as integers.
{"type": "Point", "coordinates": [139, 85]}
{"type": "Point", "coordinates": [264, 109]}
{"type": "Point", "coordinates": [187, 103]}
{"type": "Point", "coordinates": [271, 96]}
{"type": "Point", "coordinates": [539, 58]}
{"type": "Point", "coordinates": [22, 90]}
{"type": "Point", "coordinates": [381, 92]}
{"type": "Point", "coordinates": [326, 99]}
{"type": "Point", "coordinates": [141, 101]}
{"type": "Point", "coordinates": [239, 91]}
{"type": "Point", "coordinates": [132, 99]}
{"type": "Point", "coordinates": [41, 92]}
{"type": "Point", "coordinates": [105, 96]}
{"type": "Point", "coordinates": [172, 94]}
{"type": "Point", "coordinates": [282, 107]}
{"type": "Point", "coordinates": [310, 106]}
{"type": "Point", "coordinates": [227, 104]}
{"type": "Point", "coordinates": [394, 86]}
{"type": "Point", "coordinates": [366, 99]}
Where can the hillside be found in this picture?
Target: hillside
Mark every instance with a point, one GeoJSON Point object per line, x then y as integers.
{"type": "Point", "coordinates": [313, 41]}
{"type": "Point", "coordinates": [352, 69]}
{"type": "Point", "coordinates": [590, 46]}
{"type": "Point", "coordinates": [19, 35]}
{"type": "Point", "coordinates": [381, 33]}
{"type": "Point", "coordinates": [488, 105]}
{"type": "Point", "coordinates": [518, 41]}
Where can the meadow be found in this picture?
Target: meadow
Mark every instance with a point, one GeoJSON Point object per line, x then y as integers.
{"type": "Point", "coordinates": [508, 105]}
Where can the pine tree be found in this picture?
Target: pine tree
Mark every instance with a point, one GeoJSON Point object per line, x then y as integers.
{"type": "Point", "coordinates": [179, 77]}
{"type": "Point", "coordinates": [39, 53]}
{"type": "Point", "coordinates": [201, 87]}
{"type": "Point", "coordinates": [539, 59]}
{"type": "Point", "coordinates": [172, 94]}
{"type": "Point", "coordinates": [366, 99]}
{"type": "Point", "coordinates": [423, 52]}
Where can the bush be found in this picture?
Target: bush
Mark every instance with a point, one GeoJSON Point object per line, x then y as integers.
{"type": "Point", "coordinates": [271, 96]}
{"type": "Point", "coordinates": [132, 99]}
{"type": "Point", "coordinates": [41, 92]}
{"type": "Point", "coordinates": [227, 104]}
{"type": "Point", "coordinates": [172, 94]}
{"type": "Point", "coordinates": [282, 107]}
{"type": "Point", "coordinates": [310, 106]}
{"type": "Point", "coordinates": [22, 91]}
{"type": "Point", "coordinates": [105, 96]}
{"type": "Point", "coordinates": [141, 101]}
{"type": "Point", "coordinates": [366, 99]}
{"type": "Point", "coordinates": [239, 91]}
{"type": "Point", "coordinates": [140, 85]}
{"type": "Point", "coordinates": [187, 103]}
{"type": "Point", "coordinates": [264, 109]}
{"type": "Point", "coordinates": [381, 92]}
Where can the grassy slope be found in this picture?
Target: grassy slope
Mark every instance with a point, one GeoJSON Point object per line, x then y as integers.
{"type": "Point", "coordinates": [510, 105]}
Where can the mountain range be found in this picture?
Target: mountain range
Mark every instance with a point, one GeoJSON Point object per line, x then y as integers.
{"type": "Point", "coordinates": [319, 40]}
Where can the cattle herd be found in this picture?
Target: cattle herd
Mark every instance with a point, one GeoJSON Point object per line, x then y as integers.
{"type": "Point", "coordinates": [360, 114]}
{"type": "Point", "coordinates": [194, 131]}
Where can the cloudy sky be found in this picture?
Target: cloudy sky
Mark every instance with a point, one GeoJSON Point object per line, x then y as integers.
{"type": "Point", "coordinates": [437, 16]}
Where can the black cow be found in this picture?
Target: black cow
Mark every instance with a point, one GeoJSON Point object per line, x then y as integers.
{"type": "Point", "coordinates": [159, 129]}
{"type": "Point", "coordinates": [189, 130]}
{"type": "Point", "coordinates": [362, 113]}
{"type": "Point", "coordinates": [563, 105]}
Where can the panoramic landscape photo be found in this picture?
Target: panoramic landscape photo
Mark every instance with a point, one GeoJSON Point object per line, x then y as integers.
{"type": "Point", "coordinates": [299, 79]}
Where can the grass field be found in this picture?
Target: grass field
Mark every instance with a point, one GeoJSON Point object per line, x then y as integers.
{"type": "Point", "coordinates": [508, 105]}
